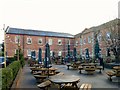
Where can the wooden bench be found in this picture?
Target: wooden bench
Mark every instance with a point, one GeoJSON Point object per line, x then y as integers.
{"type": "Point", "coordinates": [110, 74]}
{"type": "Point", "coordinates": [37, 73]}
{"type": "Point", "coordinates": [89, 69]}
{"type": "Point", "coordinates": [80, 68]}
{"type": "Point", "coordinates": [74, 66]}
{"type": "Point", "coordinates": [60, 73]}
{"type": "Point", "coordinates": [40, 78]}
{"type": "Point", "coordinates": [44, 85]}
{"type": "Point", "coordinates": [85, 86]}
{"type": "Point", "coordinates": [99, 68]}
{"type": "Point", "coordinates": [68, 65]}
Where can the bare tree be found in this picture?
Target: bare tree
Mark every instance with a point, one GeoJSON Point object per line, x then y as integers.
{"type": "Point", "coordinates": [111, 38]}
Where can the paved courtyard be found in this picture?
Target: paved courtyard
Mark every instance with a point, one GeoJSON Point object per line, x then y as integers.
{"type": "Point", "coordinates": [98, 80]}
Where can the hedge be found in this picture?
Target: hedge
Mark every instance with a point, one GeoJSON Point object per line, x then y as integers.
{"type": "Point", "coordinates": [9, 73]}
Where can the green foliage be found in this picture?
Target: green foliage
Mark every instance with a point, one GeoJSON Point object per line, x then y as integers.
{"type": "Point", "coordinates": [15, 66]}
{"type": "Point", "coordinates": [21, 57]}
{"type": "Point", "coordinates": [9, 73]}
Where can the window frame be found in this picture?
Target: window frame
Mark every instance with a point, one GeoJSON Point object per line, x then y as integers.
{"type": "Point", "coordinates": [28, 38]}
{"type": "Point", "coordinates": [59, 40]}
{"type": "Point", "coordinates": [29, 53]}
{"type": "Point", "coordinates": [50, 41]}
{"type": "Point", "coordinates": [40, 39]}
{"type": "Point", "coordinates": [17, 39]}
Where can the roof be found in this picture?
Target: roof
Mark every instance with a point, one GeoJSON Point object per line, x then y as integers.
{"type": "Point", "coordinates": [37, 32]}
{"type": "Point", "coordinates": [99, 27]}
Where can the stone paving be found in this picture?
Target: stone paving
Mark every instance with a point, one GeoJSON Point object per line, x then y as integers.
{"type": "Point", "coordinates": [98, 80]}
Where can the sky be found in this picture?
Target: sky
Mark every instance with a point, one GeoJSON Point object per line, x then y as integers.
{"type": "Point", "coordinates": [68, 16]}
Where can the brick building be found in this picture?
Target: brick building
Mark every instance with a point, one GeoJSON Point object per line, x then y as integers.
{"type": "Point", "coordinates": [86, 39]}
{"type": "Point", "coordinates": [32, 40]}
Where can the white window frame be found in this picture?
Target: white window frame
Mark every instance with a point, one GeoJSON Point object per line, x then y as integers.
{"type": "Point", "coordinates": [51, 53]}
{"type": "Point", "coordinates": [40, 39]}
{"type": "Point", "coordinates": [59, 53]}
{"type": "Point", "coordinates": [76, 43]}
{"type": "Point", "coordinates": [89, 39]}
{"type": "Point", "coordinates": [68, 42]}
{"type": "Point", "coordinates": [29, 52]}
{"type": "Point", "coordinates": [17, 39]}
{"type": "Point", "coordinates": [15, 51]}
{"type": "Point", "coordinates": [81, 41]}
{"type": "Point", "coordinates": [59, 40]}
{"type": "Point", "coordinates": [108, 35]}
{"type": "Point", "coordinates": [50, 41]}
{"type": "Point", "coordinates": [84, 41]}
{"type": "Point", "coordinates": [99, 37]}
{"type": "Point", "coordinates": [30, 40]}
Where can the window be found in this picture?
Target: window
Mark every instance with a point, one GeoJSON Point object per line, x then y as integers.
{"type": "Point", "coordinates": [76, 43]}
{"type": "Point", "coordinates": [89, 39]}
{"type": "Point", "coordinates": [80, 51]}
{"type": "Point", "coordinates": [60, 53]}
{"type": "Point", "coordinates": [15, 51]}
{"type": "Point", "coordinates": [59, 42]}
{"type": "Point", "coordinates": [84, 41]}
{"type": "Point", "coordinates": [28, 52]}
{"type": "Point", "coordinates": [69, 42]}
{"type": "Point", "coordinates": [51, 53]}
{"type": "Point", "coordinates": [40, 41]}
{"type": "Point", "coordinates": [29, 41]}
{"type": "Point", "coordinates": [17, 39]}
{"type": "Point", "coordinates": [108, 35]}
{"type": "Point", "coordinates": [99, 37]}
{"type": "Point", "coordinates": [80, 41]}
{"type": "Point", "coordinates": [50, 41]}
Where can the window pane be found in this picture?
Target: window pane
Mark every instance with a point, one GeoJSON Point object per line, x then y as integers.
{"type": "Point", "coordinates": [29, 40]}
{"type": "Point", "coordinates": [40, 41]}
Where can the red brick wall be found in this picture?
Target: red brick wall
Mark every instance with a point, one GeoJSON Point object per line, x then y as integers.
{"type": "Point", "coordinates": [11, 45]}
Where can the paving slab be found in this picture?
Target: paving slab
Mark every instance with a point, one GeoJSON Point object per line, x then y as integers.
{"type": "Point", "coordinates": [98, 80]}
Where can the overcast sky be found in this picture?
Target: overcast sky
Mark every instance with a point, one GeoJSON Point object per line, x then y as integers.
{"type": "Point", "coordinates": [69, 16]}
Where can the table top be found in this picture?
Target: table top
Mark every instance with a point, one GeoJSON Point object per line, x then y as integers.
{"type": "Point", "coordinates": [116, 67]}
{"type": "Point", "coordinates": [64, 79]}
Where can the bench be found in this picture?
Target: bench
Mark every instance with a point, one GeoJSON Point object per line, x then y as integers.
{"type": "Point", "coordinates": [110, 74]}
{"type": "Point", "coordinates": [40, 78]}
{"type": "Point", "coordinates": [80, 68]}
{"type": "Point", "coordinates": [74, 66]}
{"type": "Point", "coordinates": [37, 73]}
{"type": "Point", "coordinates": [68, 65]}
{"type": "Point", "coordinates": [89, 69]}
{"type": "Point", "coordinates": [44, 85]}
{"type": "Point", "coordinates": [60, 73]}
{"type": "Point", "coordinates": [85, 86]}
{"type": "Point", "coordinates": [99, 68]}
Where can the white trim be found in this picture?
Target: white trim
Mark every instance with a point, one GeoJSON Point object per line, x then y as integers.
{"type": "Point", "coordinates": [59, 42]}
{"type": "Point", "coordinates": [28, 38]}
{"type": "Point", "coordinates": [40, 39]}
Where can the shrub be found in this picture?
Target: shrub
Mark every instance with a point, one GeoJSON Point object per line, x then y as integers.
{"type": "Point", "coordinates": [7, 78]}
{"type": "Point", "coordinates": [9, 73]}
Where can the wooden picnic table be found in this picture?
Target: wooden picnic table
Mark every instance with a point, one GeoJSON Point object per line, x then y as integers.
{"type": "Point", "coordinates": [68, 65]}
{"type": "Point", "coordinates": [38, 65]}
{"type": "Point", "coordinates": [65, 79]}
{"type": "Point", "coordinates": [44, 70]}
{"type": "Point", "coordinates": [117, 69]}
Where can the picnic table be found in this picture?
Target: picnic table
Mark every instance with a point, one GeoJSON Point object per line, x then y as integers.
{"type": "Point", "coordinates": [44, 70]}
{"type": "Point", "coordinates": [65, 79]}
{"type": "Point", "coordinates": [117, 69]}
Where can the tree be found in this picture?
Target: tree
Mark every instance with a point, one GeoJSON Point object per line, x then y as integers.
{"type": "Point", "coordinates": [112, 38]}
{"type": "Point", "coordinates": [96, 49]}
